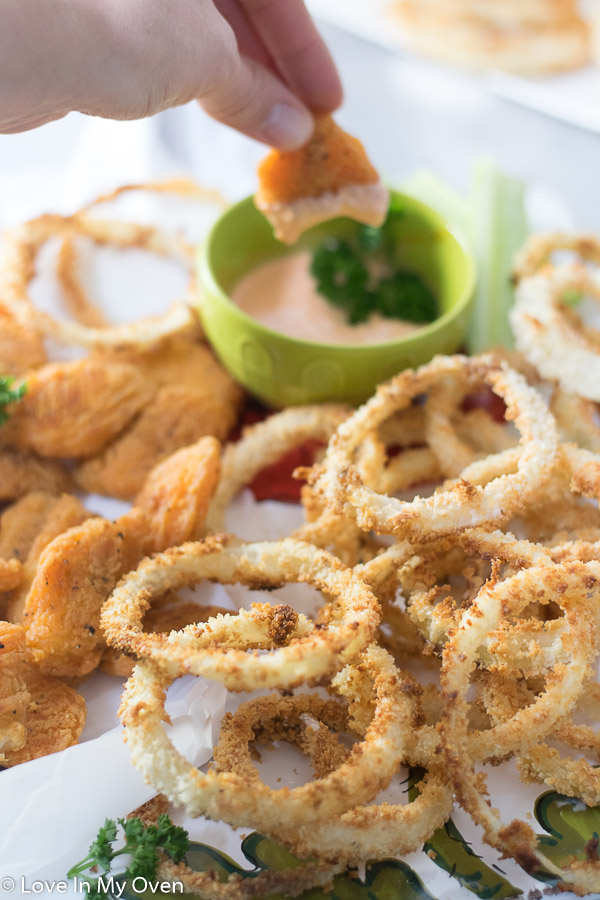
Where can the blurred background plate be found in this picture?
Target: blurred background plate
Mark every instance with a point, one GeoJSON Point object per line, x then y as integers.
{"type": "Point", "coordinates": [571, 97]}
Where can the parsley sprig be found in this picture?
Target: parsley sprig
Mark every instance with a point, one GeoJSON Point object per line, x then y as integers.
{"type": "Point", "coordinates": [9, 395]}
{"type": "Point", "coordinates": [343, 275]}
{"type": "Point", "coordinates": [142, 843]}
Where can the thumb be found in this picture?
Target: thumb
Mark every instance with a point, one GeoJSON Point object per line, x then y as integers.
{"type": "Point", "coordinates": [253, 100]}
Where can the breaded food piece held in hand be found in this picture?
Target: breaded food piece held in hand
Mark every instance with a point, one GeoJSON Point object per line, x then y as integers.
{"type": "Point", "coordinates": [330, 176]}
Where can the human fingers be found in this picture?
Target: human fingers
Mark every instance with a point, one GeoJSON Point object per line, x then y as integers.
{"type": "Point", "coordinates": [300, 54]}
{"type": "Point", "coordinates": [250, 98]}
{"type": "Point", "coordinates": [249, 42]}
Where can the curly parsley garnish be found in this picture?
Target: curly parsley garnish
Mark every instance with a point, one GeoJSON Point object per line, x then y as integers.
{"type": "Point", "coordinates": [9, 395]}
{"type": "Point", "coordinates": [142, 843]}
{"type": "Point", "coordinates": [344, 277]}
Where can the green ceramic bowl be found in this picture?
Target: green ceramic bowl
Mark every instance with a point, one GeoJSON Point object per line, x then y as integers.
{"type": "Point", "coordinates": [284, 371]}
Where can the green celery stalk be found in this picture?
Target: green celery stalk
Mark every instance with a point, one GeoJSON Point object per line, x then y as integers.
{"type": "Point", "coordinates": [498, 228]}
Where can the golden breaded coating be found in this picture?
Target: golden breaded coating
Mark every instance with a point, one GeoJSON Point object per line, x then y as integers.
{"type": "Point", "coordinates": [55, 719]}
{"type": "Point", "coordinates": [180, 361]}
{"type": "Point", "coordinates": [21, 523]}
{"type": "Point", "coordinates": [76, 573]}
{"type": "Point", "coordinates": [14, 692]}
{"type": "Point", "coordinates": [178, 416]}
{"type": "Point", "coordinates": [49, 516]}
{"type": "Point", "coordinates": [21, 348]}
{"type": "Point", "coordinates": [169, 618]}
{"type": "Point", "coordinates": [195, 397]}
{"type": "Point", "coordinates": [11, 574]}
{"type": "Point", "coordinates": [177, 494]}
{"type": "Point", "coordinates": [74, 409]}
{"type": "Point", "coordinates": [79, 569]}
{"type": "Point", "coordinates": [22, 472]}
{"type": "Point", "coordinates": [331, 160]}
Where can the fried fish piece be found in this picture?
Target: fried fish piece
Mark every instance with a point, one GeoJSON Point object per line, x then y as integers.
{"type": "Point", "coordinates": [74, 409]}
{"type": "Point", "coordinates": [22, 472]}
{"type": "Point", "coordinates": [21, 348]}
{"type": "Point", "coordinates": [14, 692]}
{"type": "Point", "coordinates": [179, 415]}
{"type": "Point", "coordinates": [330, 176]}
{"type": "Point", "coordinates": [176, 495]}
{"type": "Point", "coordinates": [31, 525]}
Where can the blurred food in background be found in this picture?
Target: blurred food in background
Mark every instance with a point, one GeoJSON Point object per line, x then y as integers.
{"type": "Point", "coordinates": [527, 37]}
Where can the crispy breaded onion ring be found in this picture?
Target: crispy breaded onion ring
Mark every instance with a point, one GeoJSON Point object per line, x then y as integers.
{"type": "Point", "coordinates": [572, 582]}
{"type": "Point", "coordinates": [266, 442]}
{"type": "Point", "coordinates": [366, 831]}
{"type": "Point", "coordinates": [569, 586]}
{"type": "Point", "coordinates": [182, 187]}
{"type": "Point", "coordinates": [548, 330]}
{"type": "Point", "coordinates": [235, 799]}
{"type": "Point", "coordinates": [288, 882]}
{"type": "Point", "coordinates": [216, 649]}
{"type": "Point", "coordinates": [466, 505]}
{"type": "Point", "coordinates": [539, 762]}
{"type": "Point", "coordinates": [18, 252]}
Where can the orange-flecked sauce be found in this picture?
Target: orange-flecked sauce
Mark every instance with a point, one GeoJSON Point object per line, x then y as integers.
{"type": "Point", "coordinates": [282, 294]}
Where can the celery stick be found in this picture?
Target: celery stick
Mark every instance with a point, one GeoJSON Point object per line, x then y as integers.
{"type": "Point", "coordinates": [498, 228]}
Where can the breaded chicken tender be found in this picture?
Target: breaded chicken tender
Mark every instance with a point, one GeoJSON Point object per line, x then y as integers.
{"type": "Point", "coordinates": [38, 715]}
{"type": "Point", "coordinates": [76, 573]}
{"type": "Point", "coordinates": [181, 361]}
{"type": "Point", "coordinates": [55, 718]}
{"type": "Point", "coordinates": [74, 409]}
{"type": "Point", "coordinates": [11, 574]}
{"type": "Point", "coordinates": [176, 495]}
{"type": "Point", "coordinates": [22, 522]}
{"type": "Point", "coordinates": [31, 525]}
{"type": "Point", "coordinates": [14, 692]}
{"type": "Point", "coordinates": [195, 397]}
{"type": "Point", "coordinates": [177, 416]}
{"type": "Point", "coordinates": [79, 569]}
{"type": "Point", "coordinates": [330, 176]}
{"type": "Point", "coordinates": [21, 348]}
{"type": "Point", "coordinates": [22, 472]}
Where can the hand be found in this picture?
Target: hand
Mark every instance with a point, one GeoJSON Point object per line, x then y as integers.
{"type": "Point", "coordinates": [257, 65]}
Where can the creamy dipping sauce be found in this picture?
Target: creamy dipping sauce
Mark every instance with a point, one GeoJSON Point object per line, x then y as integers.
{"type": "Point", "coordinates": [282, 294]}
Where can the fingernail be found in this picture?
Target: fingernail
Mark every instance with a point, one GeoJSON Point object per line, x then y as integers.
{"type": "Point", "coordinates": [287, 127]}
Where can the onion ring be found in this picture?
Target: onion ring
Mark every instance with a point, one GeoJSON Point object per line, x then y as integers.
{"type": "Point", "coordinates": [466, 505]}
{"type": "Point", "coordinates": [369, 831]}
{"type": "Point", "coordinates": [234, 799]}
{"type": "Point", "coordinates": [195, 649]}
{"type": "Point", "coordinates": [266, 442]}
{"type": "Point", "coordinates": [517, 839]}
{"type": "Point", "coordinates": [17, 268]}
{"type": "Point", "coordinates": [547, 331]}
